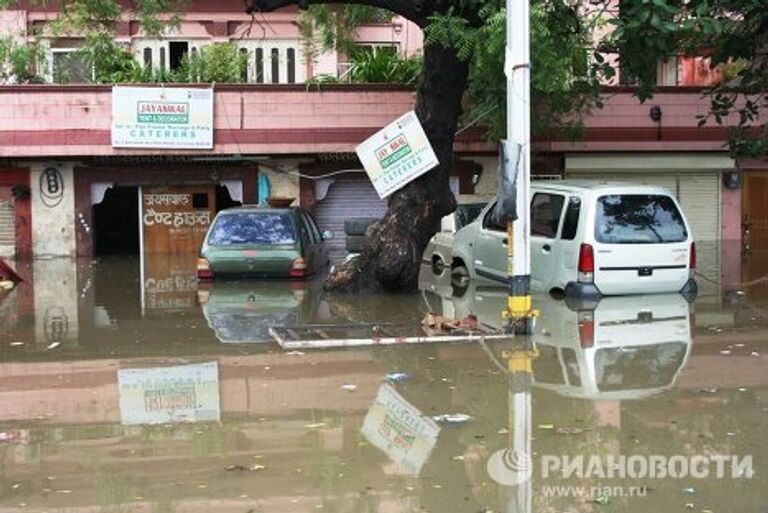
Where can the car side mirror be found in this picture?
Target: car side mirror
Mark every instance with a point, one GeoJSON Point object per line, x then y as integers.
{"type": "Point", "coordinates": [327, 235]}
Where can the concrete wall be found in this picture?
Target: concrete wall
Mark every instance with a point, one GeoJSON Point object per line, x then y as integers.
{"type": "Point", "coordinates": [53, 209]}
{"type": "Point", "coordinates": [56, 301]}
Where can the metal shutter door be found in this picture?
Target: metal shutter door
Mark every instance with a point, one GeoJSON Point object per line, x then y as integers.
{"type": "Point", "coordinates": [346, 199]}
{"type": "Point", "coordinates": [7, 229]}
{"type": "Point", "coordinates": [667, 180]}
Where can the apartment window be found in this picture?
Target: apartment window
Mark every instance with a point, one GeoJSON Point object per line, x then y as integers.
{"type": "Point", "coordinates": [291, 53]}
{"type": "Point", "coordinates": [177, 50]}
{"type": "Point", "coordinates": [70, 66]}
{"type": "Point", "coordinates": [147, 56]}
{"type": "Point", "coordinates": [259, 65]}
{"type": "Point", "coordinates": [244, 73]}
{"type": "Point", "coordinates": [275, 66]}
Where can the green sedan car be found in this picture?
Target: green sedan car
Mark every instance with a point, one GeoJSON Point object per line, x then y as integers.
{"type": "Point", "coordinates": [262, 243]}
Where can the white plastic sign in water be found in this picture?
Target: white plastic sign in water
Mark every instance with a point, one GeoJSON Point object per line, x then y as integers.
{"type": "Point", "coordinates": [397, 155]}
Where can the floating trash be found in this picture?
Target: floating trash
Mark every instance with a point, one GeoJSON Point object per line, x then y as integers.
{"type": "Point", "coordinates": [394, 377]}
{"type": "Point", "coordinates": [452, 418]}
{"type": "Point", "coordinates": [349, 387]}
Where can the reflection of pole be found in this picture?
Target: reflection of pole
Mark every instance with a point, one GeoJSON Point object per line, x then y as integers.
{"type": "Point", "coordinates": [520, 366]}
{"type": "Point", "coordinates": [517, 70]}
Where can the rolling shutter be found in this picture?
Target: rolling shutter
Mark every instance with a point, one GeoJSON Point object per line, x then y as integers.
{"type": "Point", "coordinates": [346, 199]}
{"type": "Point", "coordinates": [7, 229]}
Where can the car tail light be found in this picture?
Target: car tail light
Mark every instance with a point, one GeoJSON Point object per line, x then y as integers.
{"type": "Point", "coordinates": [586, 264]}
{"type": "Point", "coordinates": [298, 268]}
{"type": "Point", "coordinates": [586, 329]}
{"type": "Point", "coordinates": [204, 271]}
{"type": "Point", "coordinates": [692, 262]}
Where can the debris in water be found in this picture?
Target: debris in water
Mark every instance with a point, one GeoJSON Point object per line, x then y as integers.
{"type": "Point", "coordinates": [349, 387]}
{"type": "Point", "coordinates": [710, 390]}
{"type": "Point", "coordinates": [689, 491]}
{"type": "Point", "coordinates": [16, 344]}
{"type": "Point", "coordinates": [755, 353]}
{"type": "Point", "coordinates": [742, 389]}
{"type": "Point", "coordinates": [503, 431]}
{"type": "Point", "coordinates": [295, 353]}
{"type": "Point", "coordinates": [244, 468]}
{"type": "Point", "coordinates": [452, 418]}
{"type": "Point", "coordinates": [394, 377]}
{"type": "Point", "coordinates": [603, 500]}
{"type": "Point", "coordinates": [689, 505]}
{"type": "Point", "coordinates": [315, 425]}
{"type": "Point", "coordinates": [546, 426]}
{"type": "Point", "coordinates": [569, 430]}
{"type": "Point", "coordinates": [725, 352]}
{"type": "Point", "coordinates": [458, 458]}
{"type": "Point", "coordinates": [53, 345]}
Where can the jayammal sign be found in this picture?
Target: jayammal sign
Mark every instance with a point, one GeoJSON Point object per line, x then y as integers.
{"type": "Point", "coordinates": [396, 155]}
{"type": "Point", "coordinates": [160, 117]}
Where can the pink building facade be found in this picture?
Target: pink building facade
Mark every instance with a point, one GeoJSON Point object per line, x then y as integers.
{"type": "Point", "coordinates": [278, 137]}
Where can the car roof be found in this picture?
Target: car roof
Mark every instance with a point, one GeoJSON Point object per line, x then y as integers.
{"type": "Point", "coordinates": [245, 209]}
{"type": "Point", "coordinates": [593, 185]}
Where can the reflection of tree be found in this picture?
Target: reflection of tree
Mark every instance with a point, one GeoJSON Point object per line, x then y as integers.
{"type": "Point", "coordinates": [637, 212]}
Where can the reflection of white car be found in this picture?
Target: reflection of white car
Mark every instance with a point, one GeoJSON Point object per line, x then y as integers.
{"type": "Point", "coordinates": [618, 348]}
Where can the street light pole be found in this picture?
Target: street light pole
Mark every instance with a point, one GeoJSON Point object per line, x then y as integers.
{"type": "Point", "coordinates": [518, 73]}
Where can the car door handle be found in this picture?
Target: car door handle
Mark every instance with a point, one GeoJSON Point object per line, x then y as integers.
{"type": "Point", "coordinates": [546, 248]}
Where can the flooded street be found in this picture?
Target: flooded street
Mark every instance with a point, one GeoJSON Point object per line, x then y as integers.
{"type": "Point", "coordinates": [134, 390]}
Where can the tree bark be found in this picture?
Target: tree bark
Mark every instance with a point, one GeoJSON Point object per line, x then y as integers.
{"type": "Point", "coordinates": [393, 248]}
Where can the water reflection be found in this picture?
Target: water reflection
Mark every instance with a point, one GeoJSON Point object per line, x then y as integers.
{"type": "Point", "coordinates": [102, 421]}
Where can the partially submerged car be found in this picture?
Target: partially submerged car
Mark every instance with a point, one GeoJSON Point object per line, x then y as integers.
{"type": "Point", "coordinates": [261, 242]}
{"type": "Point", "coordinates": [439, 250]}
{"type": "Point", "coordinates": [589, 239]}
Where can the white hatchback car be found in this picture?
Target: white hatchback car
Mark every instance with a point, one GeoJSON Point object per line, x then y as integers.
{"type": "Point", "coordinates": [589, 239]}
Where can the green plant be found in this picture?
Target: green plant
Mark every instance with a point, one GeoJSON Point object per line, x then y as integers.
{"type": "Point", "coordinates": [219, 62]}
{"type": "Point", "coordinates": [381, 66]}
{"type": "Point", "coordinates": [324, 28]}
{"type": "Point", "coordinates": [19, 62]}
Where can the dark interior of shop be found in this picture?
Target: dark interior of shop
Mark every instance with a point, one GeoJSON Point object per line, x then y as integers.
{"type": "Point", "coordinates": [116, 222]}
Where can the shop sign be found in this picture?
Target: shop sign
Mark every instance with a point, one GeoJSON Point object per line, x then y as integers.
{"type": "Point", "coordinates": [397, 155]}
{"type": "Point", "coordinates": [160, 117]}
{"type": "Point", "coordinates": [161, 395]}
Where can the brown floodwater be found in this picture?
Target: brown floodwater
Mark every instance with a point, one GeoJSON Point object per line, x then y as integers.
{"type": "Point", "coordinates": [134, 390]}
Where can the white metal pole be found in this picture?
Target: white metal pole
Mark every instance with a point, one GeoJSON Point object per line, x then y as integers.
{"type": "Point", "coordinates": [517, 70]}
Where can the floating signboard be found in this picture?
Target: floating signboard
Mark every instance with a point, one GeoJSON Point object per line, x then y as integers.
{"type": "Point", "coordinates": [163, 395]}
{"type": "Point", "coordinates": [162, 117]}
{"type": "Point", "coordinates": [397, 155]}
{"type": "Point", "coordinates": [400, 430]}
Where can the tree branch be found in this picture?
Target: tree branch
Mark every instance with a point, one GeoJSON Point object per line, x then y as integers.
{"type": "Point", "coordinates": [411, 9]}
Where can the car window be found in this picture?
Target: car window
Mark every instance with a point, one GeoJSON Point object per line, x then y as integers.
{"type": "Point", "coordinates": [638, 219]}
{"type": "Point", "coordinates": [253, 228]}
{"type": "Point", "coordinates": [467, 213]}
{"type": "Point", "coordinates": [490, 224]}
{"type": "Point", "coordinates": [546, 210]}
{"type": "Point", "coordinates": [571, 220]}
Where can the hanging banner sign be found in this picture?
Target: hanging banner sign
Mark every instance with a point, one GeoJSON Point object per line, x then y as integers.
{"type": "Point", "coordinates": [397, 155]}
{"type": "Point", "coordinates": [160, 117]}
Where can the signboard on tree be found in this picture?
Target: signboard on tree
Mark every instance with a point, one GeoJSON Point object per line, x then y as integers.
{"type": "Point", "coordinates": [397, 155]}
{"type": "Point", "coordinates": [162, 117]}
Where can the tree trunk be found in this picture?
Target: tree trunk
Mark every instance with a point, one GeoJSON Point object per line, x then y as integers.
{"type": "Point", "coordinates": [393, 248]}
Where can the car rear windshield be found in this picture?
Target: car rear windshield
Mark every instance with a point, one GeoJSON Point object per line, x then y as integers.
{"type": "Point", "coordinates": [638, 219]}
{"type": "Point", "coordinates": [253, 228]}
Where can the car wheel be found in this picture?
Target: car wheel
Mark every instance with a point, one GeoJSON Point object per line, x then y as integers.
{"type": "Point", "coordinates": [460, 277]}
